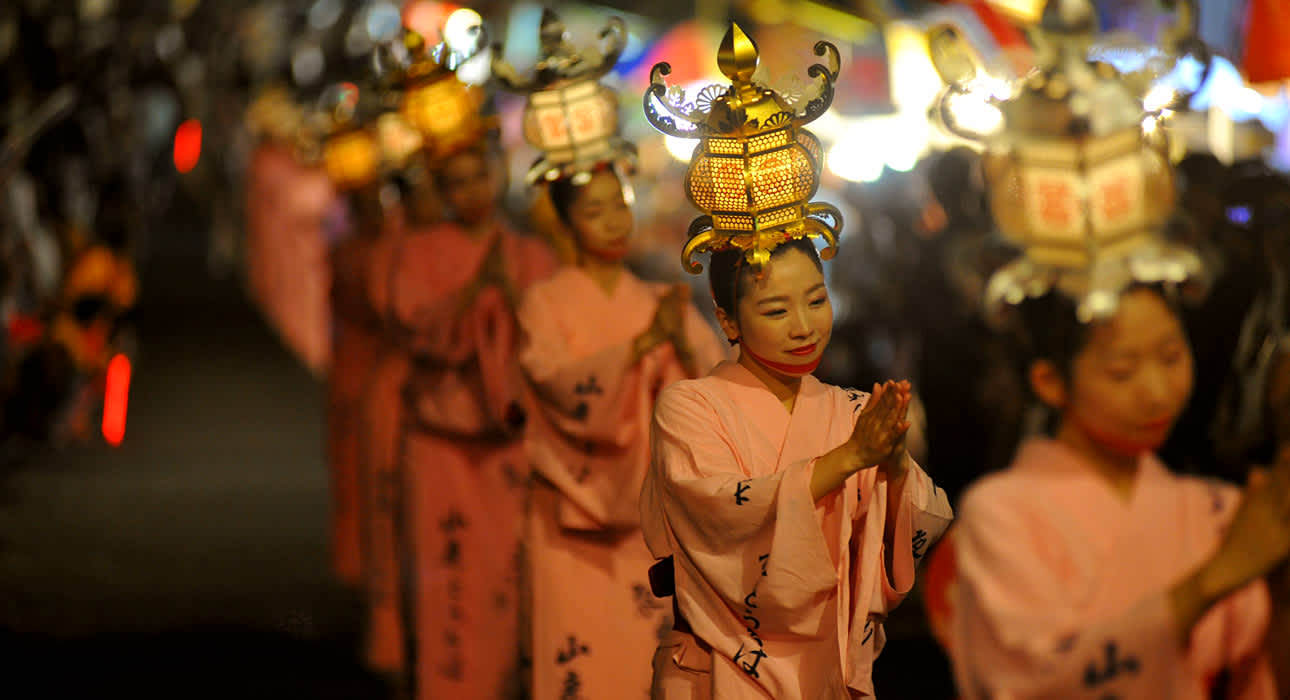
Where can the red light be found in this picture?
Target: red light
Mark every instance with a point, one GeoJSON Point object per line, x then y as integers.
{"type": "Point", "coordinates": [188, 145]}
{"type": "Point", "coordinates": [116, 395]}
{"type": "Point", "coordinates": [426, 17]}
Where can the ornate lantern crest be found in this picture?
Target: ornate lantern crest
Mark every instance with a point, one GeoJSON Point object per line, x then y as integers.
{"type": "Point", "coordinates": [570, 117]}
{"type": "Point", "coordinates": [1079, 173]}
{"type": "Point", "coordinates": [755, 168]}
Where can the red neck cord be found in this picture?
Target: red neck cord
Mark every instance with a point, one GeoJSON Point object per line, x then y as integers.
{"type": "Point", "coordinates": [784, 367]}
{"type": "Point", "coordinates": [1124, 448]}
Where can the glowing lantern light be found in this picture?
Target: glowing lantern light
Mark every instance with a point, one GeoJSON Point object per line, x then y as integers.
{"type": "Point", "coordinates": [188, 145]}
{"type": "Point", "coordinates": [116, 397]}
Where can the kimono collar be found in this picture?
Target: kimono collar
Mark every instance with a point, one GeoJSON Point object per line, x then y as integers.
{"type": "Point", "coordinates": [732, 371]}
{"type": "Point", "coordinates": [1048, 456]}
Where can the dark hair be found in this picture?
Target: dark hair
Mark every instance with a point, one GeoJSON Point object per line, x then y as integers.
{"type": "Point", "coordinates": [564, 192]}
{"type": "Point", "coordinates": [1048, 328]}
{"type": "Point", "coordinates": [728, 273]}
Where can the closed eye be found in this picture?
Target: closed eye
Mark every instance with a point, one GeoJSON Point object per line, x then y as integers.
{"type": "Point", "coordinates": [774, 313]}
{"type": "Point", "coordinates": [820, 301]}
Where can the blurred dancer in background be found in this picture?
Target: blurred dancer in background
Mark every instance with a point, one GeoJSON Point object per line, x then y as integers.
{"type": "Point", "coordinates": [1086, 568]}
{"type": "Point", "coordinates": [599, 344]}
{"type": "Point", "coordinates": [449, 472]}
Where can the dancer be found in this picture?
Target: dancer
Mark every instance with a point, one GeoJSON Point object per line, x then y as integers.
{"type": "Point", "coordinates": [789, 515]}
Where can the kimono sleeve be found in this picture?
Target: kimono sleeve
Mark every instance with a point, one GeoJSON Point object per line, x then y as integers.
{"type": "Point", "coordinates": [1015, 635]}
{"type": "Point", "coordinates": [922, 516]}
{"type": "Point", "coordinates": [1245, 618]}
{"type": "Point", "coordinates": [756, 542]}
{"type": "Point", "coordinates": [534, 263]}
{"type": "Point", "coordinates": [580, 393]}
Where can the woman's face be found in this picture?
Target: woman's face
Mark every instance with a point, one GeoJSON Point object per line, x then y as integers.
{"type": "Point", "coordinates": [601, 219]}
{"type": "Point", "coordinates": [785, 316]}
{"type": "Point", "coordinates": [471, 184]}
{"type": "Point", "coordinates": [1133, 378]}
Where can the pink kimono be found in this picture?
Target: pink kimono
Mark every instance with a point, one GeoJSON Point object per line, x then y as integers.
{"type": "Point", "coordinates": [456, 476]}
{"type": "Point", "coordinates": [380, 423]}
{"type": "Point", "coordinates": [594, 622]}
{"type": "Point", "coordinates": [287, 251]}
{"type": "Point", "coordinates": [356, 346]}
{"type": "Point", "coordinates": [1062, 586]}
{"type": "Point", "coordinates": [781, 597]}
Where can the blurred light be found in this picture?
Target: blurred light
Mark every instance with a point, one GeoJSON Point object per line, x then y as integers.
{"type": "Point", "coordinates": [188, 145]}
{"type": "Point", "coordinates": [357, 40]}
{"type": "Point", "coordinates": [383, 22]}
{"type": "Point", "coordinates": [975, 114]}
{"type": "Point", "coordinates": [463, 29]}
{"type": "Point", "coordinates": [169, 41]}
{"type": "Point", "coordinates": [94, 10]}
{"type": "Point", "coordinates": [477, 69]}
{"type": "Point", "coordinates": [829, 126]}
{"type": "Point", "coordinates": [904, 142]}
{"type": "Point", "coordinates": [680, 149]}
{"type": "Point", "coordinates": [324, 13]}
{"type": "Point", "coordinates": [1239, 215]}
{"type": "Point", "coordinates": [853, 159]}
{"type": "Point", "coordinates": [913, 79]}
{"type": "Point", "coordinates": [116, 397]}
{"type": "Point", "coordinates": [1022, 11]}
{"type": "Point", "coordinates": [307, 64]}
{"type": "Point", "coordinates": [1249, 101]}
{"type": "Point", "coordinates": [426, 17]}
{"type": "Point", "coordinates": [1158, 97]}
{"type": "Point", "coordinates": [903, 161]}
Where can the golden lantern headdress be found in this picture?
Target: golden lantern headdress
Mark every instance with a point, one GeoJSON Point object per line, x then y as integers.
{"type": "Point", "coordinates": [340, 136]}
{"type": "Point", "coordinates": [427, 92]}
{"type": "Point", "coordinates": [755, 168]}
{"type": "Point", "coordinates": [570, 117]}
{"type": "Point", "coordinates": [1078, 170]}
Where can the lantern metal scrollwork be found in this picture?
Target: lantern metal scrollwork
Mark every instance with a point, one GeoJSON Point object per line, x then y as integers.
{"type": "Point", "coordinates": [755, 169]}
{"type": "Point", "coordinates": [1079, 174]}
{"type": "Point", "coordinates": [570, 117]}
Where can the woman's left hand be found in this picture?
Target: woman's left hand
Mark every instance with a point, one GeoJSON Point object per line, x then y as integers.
{"type": "Point", "coordinates": [896, 466]}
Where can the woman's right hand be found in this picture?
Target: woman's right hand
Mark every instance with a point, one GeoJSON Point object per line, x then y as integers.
{"type": "Point", "coordinates": [1256, 543]}
{"type": "Point", "coordinates": [879, 432]}
{"type": "Point", "coordinates": [669, 319]}
{"type": "Point", "coordinates": [1258, 538]}
{"type": "Point", "coordinates": [668, 324]}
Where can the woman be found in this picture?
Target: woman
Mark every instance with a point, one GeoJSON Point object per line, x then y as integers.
{"type": "Point", "coordinates": [595, 366]}
{"type": "Point", "coordinates": [1086, 569]}
{"type": "Point", "coordinates": [791, 513]}
{"type": "Point", "coordinates": [449, 469]}
{"type": "Point", "coordinates": [366, 213]}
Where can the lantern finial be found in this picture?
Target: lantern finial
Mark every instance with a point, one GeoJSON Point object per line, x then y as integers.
{"type": "Point", "coordinates": [737, 57]}
{"type": "Point", "coordinates": [756, 169]}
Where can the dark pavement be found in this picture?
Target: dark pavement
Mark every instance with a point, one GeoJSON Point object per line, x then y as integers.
{"type": "Point", "coordinates": [192, 561]}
